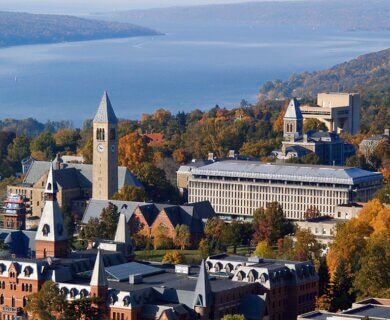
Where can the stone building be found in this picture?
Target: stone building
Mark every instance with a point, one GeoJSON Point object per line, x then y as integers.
{"type": "Point", "coordinates": [146, 218]}
{"type": "Point", "coordinates": [78, 182]}
{"type": "Point", "coordinates": [328, 146]}
{"type": "Point", "coordinates": [368, 145]}
{"type": "Point", "coordinates": [339, 111]}
{"type": "Point", "coordinates": [236, 188]}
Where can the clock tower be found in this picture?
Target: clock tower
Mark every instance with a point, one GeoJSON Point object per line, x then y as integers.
{"type": "Point", "coordinates": [105, 154]}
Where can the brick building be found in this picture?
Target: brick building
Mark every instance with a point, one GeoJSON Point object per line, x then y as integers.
{"type": "Point", "coordinates": [146, 218]}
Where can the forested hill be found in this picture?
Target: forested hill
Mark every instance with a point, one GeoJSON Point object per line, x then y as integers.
{"type": "Point", "coordinates": [24, 28]}
{"type": "Point", "coordinates": [335, 14]}
{"type": "Point", "coordinates": [366, 73]}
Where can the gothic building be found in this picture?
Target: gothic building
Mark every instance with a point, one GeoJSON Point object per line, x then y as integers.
{"type": "Point", "coordinates": [328, 146]}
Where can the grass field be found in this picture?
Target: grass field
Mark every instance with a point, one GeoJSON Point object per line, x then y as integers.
{"type": "Point", "coordinates": [191, 256]}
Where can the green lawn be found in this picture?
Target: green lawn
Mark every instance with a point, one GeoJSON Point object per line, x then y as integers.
{"type": "Point", "coordinates": [191, 256]}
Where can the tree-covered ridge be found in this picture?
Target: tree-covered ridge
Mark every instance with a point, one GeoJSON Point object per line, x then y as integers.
{"type": "Point", "coordinates": [24, 28]}
{"type": "Point", "coordinates": [366, 73]}
{"type": "Point", "coordinates": [345, 14]}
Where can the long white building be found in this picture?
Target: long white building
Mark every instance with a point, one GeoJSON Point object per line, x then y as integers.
{"type": "Point", "coordinates": [237, 188]}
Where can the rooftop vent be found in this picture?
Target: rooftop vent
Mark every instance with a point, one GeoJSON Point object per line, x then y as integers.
{"type": "Point", "coordinates": [135, 278]}
{"type": "Point", "coordinates": [182, 269]}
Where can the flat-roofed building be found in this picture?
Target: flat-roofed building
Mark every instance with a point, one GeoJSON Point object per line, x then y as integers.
{"type": "Point", "coordinates": [339, 111]}
{"type": "Point", "coordinates": [237, 188]}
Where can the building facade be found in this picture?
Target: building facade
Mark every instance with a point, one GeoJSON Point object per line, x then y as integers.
{"type": "Point", "coordinates": [328, 146]}
{"type": "Point", "coordinates": [105, 151]}
{"type": "Point", "coordinates": [236, 188]}
{"type": "Point", "coordinates": [339, 111]}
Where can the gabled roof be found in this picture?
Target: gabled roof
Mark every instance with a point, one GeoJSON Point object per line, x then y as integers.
{"type": "Point", "coordinates": [105, 113]}
{"type": "Point", "coordinates": [76, 175]}
{"type": "Point", "coordinates": [293, 110]}
{"type": "Point", "coordinates": [99, 278]}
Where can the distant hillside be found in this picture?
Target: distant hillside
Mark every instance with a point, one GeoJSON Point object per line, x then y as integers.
{"type": "Point", "coordinates": [24, 28]}
{"type": "Point", "coordinates": [338, 14]}
{"type": "Point", "coordinates": [369, 72]}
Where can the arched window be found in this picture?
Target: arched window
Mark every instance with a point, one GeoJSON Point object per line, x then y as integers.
{"type": "Point", "coordinates": [24, 301]}
{"type": "Point", "coordinates": [112, 134]}
{"type": "Point", "coordinates": [30, 288]}
{"type": "Point", "coordinates": [46, 230]}
{"type": "Point", "coordinates": [13, 302]}
{"type": "Point", "coordinates": [1, 299]}
{"type": "Point", "coordinates": [22, 286]}
{"type": "Point", "coordinates": [49, 186]}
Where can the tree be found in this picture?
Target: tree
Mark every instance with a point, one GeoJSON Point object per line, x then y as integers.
{"type": "Point", "coordinates": [103, 228]}
{"type": "Point", "coordinates": [44, 143]}
{"type": "Point", "coordinates": [314, 124]}
{"type": "Point", "coordinates": [19, 148]}
{"type": "Point", "coordinates": [179, 156]}
{"type": "Point", "coordinates": [311, 213]}
{"type": "Point", "coordinates": [133, 151]}
{"type": "Point", "coordinates": [161, 239]}
{"type": "Point", "coordinates": [182, 236]}
{"type": "Point", "coordinates": [306, 246]}
{"type": "Point", "coordinates": [66, 139]}
{"type": "Point", "coordinates": [87, 151]}
{"type": "Point", "coordinates": [373, 277]}
{"type": "Point", "coordinates": [341, 286]}
{"type": "Point", "coordinates": [263, 249]}
{"type": "Point", "coordinates": [130, 193]}
{"type": "Point", "coordinates": [236, 233]}
{"type": "Point", "coordinates": [173, 257]}
{"type": "Point", "coordinates": [270, 224]}
{"type": "Point", "coordinates": [84, 308]}
{"type": "Point", "coordinates": [44, 304]}
{"type": "Point", "coordinates": [233, 317]}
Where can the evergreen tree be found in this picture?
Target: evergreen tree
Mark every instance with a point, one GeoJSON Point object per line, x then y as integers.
{"type": "Point", "coordinates": [340, 288]}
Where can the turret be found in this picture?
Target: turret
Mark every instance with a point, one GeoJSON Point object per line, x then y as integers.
{"type": "Point", "coordinates": [122, 236]}
{"type": "Point", "coordinates": [51, 239]}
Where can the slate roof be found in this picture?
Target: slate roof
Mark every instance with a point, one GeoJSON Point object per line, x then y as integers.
{"type": "Point", "coordinates": [76, 175]}
{"type": "Point", "coordinates": [191, 214]}
{"type": "Point", "coordinates": [105, 113]}
{"type": "Point", "coordinates": [98, 274]}
{"type": "Point", "coordinates": [21, 242]}
{"type": "Point", "coordinates": [289, 172]}
{"type": "Point", "coordinates": [293, 110]}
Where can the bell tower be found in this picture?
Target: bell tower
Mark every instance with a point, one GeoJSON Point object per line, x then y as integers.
{"type": "Point", "coordinates": [105, 154]}
{"type": "Point", "coordinates": [293, 121]}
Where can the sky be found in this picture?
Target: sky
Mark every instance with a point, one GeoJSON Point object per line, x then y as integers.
{"type": "Point", "coordinates": [88, 6]}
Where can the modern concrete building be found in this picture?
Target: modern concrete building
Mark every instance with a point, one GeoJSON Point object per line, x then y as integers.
{"type": "Point", "coordinates": [236, 188]}
{"type": "Point", "coordinates": [339, 111]}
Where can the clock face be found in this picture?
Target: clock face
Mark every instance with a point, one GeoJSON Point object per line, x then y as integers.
{"type": "Point", "coordinates": [100, 148]}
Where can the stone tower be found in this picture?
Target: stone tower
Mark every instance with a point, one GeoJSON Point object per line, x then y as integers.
{"type": "Point", "coordinates": [105, 154]}
{"type": "Point", "coordinates": [51, 239]}
{"type": "Point", "coordinates": [203, 294]}
{"type": "Point", "coordinates": [293, 121]}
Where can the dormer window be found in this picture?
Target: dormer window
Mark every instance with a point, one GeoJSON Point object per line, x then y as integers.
{"type": "Point", "coordinates": [49, 186]}
{"type": "Point", "coordinates": [46, 230]}
{"type": "Point", "coordinates": [126, 301]}
{"type": "Point", "coordinates": [27, 271]}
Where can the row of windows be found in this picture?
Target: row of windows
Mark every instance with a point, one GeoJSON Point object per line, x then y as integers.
{"type": "Point", "coordinates": [118, 316]}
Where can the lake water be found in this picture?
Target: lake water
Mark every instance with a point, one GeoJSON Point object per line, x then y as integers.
{"type": "Point", "coordinates": [190, 67]}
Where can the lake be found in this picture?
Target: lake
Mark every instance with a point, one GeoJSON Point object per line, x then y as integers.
{"type": "Point", "coordinates": [190, 67]}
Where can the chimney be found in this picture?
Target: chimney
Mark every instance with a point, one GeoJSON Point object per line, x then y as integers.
{"type": "Point", "coordinates": [232, 154]}
{"type": "Point", "coordinates": [135, 278]}
{"type": "Point", "coordinates": [210, 156]}
{"type": "Point", "coordinates": [386, 132]}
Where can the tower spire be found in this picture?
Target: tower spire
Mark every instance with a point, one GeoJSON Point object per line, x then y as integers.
{"type": "Point", "coordinates": [105, 113]}
{"type": "Point", "coordinates": [122, 235]}
{"type": "Point", "coordinates": [293, 120]}
{"type": "Point", "coordinates": [203, 296]}
{"type": "Point", "coordinates": [99, 278]}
